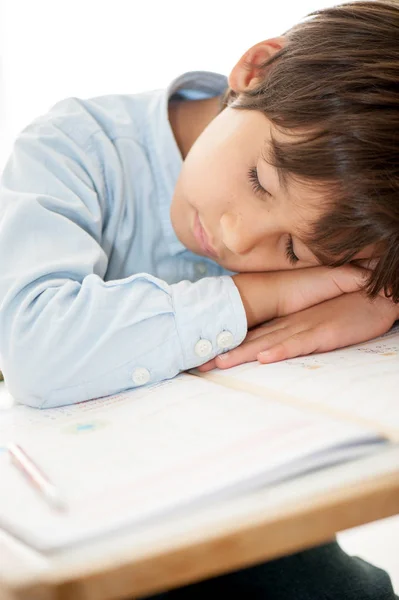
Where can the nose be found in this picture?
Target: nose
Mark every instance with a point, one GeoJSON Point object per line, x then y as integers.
{"type": "Point", "coordinates": [241, 235]}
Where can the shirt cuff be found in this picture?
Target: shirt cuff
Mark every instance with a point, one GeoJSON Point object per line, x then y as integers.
{"type": "Point", "coordinates": [210, 318]}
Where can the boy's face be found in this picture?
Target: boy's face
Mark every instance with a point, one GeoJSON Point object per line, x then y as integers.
{"type": "Point", "coordinates": [216, 211]}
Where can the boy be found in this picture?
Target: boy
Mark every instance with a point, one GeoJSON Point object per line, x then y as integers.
{"type": "Point", "coordinates": [128, 266]}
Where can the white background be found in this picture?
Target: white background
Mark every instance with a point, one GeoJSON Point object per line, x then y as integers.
{"type": "Point", "coordinates": [51, 49]}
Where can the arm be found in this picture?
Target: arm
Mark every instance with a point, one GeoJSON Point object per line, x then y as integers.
{"type": "Point", "coordinates": [275, 294]}
{"type": "Point", "coordinates": [343, 321]}
{"type": "Point", "coordinates": [66, 335]}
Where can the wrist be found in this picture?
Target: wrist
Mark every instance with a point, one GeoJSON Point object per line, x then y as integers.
{"type": "Point", "coordinates": [259, 301]}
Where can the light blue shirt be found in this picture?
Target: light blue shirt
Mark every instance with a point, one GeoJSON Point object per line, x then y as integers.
{"type": "Point", "coordinates": [97, 294]}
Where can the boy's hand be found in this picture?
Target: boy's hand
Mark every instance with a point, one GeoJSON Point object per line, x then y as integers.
{"type": "Point", "coordinates": [343, 321]}
{"type": "Point", "coordinates": [279, 293]}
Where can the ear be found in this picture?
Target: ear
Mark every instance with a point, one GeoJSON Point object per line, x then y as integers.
{"type": "Point", "coordinates": [247, 73]}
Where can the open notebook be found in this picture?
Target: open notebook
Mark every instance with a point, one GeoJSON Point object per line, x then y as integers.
{"type": "Point", "coordinates": [137, 456]}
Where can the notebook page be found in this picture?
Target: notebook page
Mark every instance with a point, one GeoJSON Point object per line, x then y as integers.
{"type": "Point", "coordinates": [123, 459]}
{"type": "Point", "coordinates": [358, 382]}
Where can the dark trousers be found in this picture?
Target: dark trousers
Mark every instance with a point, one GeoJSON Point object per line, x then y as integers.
{"type": "Point", "coordinates": [322, 573]}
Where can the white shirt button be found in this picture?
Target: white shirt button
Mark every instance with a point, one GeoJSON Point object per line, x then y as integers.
{"type": "Point", "coordinates": [225, 339]}
{"type": "Point", "coordinates": [201, 268]}
{"type": "Point", "coordinates": [203, 348]}
{"type": "Point", "coordinates": [141, 376]}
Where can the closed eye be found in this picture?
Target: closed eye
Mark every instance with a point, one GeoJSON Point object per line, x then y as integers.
{"type": "Point", "coordinates": [256, 186]}
{"type": "Point", "coordinates": [289, 251]}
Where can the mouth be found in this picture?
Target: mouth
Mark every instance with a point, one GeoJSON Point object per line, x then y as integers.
{"type": "Point", "coordinates": [202, 238]}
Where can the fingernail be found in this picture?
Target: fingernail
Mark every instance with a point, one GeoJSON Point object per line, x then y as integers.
{"type": "Point", "coordinates": [264, 353]}
{"type": "Point", "coordinates": [224, 356]}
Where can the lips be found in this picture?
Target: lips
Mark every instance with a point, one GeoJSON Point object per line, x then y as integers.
{"type": "Point", "coordinates": [202, 238]}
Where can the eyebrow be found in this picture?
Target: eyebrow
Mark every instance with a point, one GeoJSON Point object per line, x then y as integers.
{"type": "Point", "coordinates": [282, 179]}
{"type": "Point", "coordinates": [324, 257]}
{"type": "Point", "coordinates": [282, 175]}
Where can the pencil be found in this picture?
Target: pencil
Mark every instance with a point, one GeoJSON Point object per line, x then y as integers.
{"type": "Point", "coordinates": [35, 477]}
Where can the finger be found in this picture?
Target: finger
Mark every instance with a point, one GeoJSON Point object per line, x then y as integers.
{"type": "Point", "coordinates": [249, 351]}
{"type": "Point", "coordinates": [367, 263]}
{"type": "Point", "coordinates": [298, 344]}
{"type": "Point", "coordinates": [350, 278]}
{"type": "Point", "coordinates": [386, 294]}
{"type": "Point", "coordinates": [318, 284]}
{"type": "Point", "coordinates": [208, 366]}
{"type": "Point", "coordinates": [269, 327]}
{"type": "Point", "coordinates": [242, 354]}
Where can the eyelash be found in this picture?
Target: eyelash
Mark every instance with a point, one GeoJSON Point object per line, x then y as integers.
{"type": "Point", "coordinates": [258, 189]}
{"type": "Point", "coordinates": [289, 251]}
{"type": "Point", "coordinates": [256, 186]}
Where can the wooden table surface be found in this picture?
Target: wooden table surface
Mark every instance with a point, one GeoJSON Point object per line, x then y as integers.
{"type": "Point", "coordinates": [209, 540]}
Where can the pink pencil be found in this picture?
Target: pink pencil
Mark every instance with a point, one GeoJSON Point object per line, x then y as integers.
{"type": "Point", "coordinates": [35, 476]}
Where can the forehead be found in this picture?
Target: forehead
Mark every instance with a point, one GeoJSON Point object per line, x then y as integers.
{"type": "Point", "coordinates": [301, 205]}
{"type": "Point", "coordinates": [305, 202]}
{"type": "Point", "coordinates": [276, 145]}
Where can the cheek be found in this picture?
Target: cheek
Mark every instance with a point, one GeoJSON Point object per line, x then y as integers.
{"type": "Point", "coordinates": [210, 168]}
{"type": "Point", "coordinates": [199, 185]}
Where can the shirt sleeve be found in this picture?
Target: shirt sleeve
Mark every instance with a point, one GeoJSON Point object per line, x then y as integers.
{"type": "Point", "coordinates": [66, 335]}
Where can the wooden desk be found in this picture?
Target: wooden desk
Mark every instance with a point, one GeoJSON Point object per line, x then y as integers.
{"type": "Point", "coordinates": [224, 537]}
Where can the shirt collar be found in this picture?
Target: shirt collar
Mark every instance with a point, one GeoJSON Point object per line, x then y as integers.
{"type": "Point", "coordinates": [193, 85]}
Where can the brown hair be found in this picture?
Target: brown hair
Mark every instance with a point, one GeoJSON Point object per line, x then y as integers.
{"type": "Point", "coordinates": [337, 80]}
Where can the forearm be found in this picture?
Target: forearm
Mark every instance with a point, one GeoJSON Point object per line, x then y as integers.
{"type": "Point", "coordinates": [260, 303]}
{"type": "Point", "coordinates": [279, 293]}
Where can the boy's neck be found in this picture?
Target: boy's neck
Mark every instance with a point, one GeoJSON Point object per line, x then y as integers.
{"type": "Point", "coordinates": [188, 119]}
